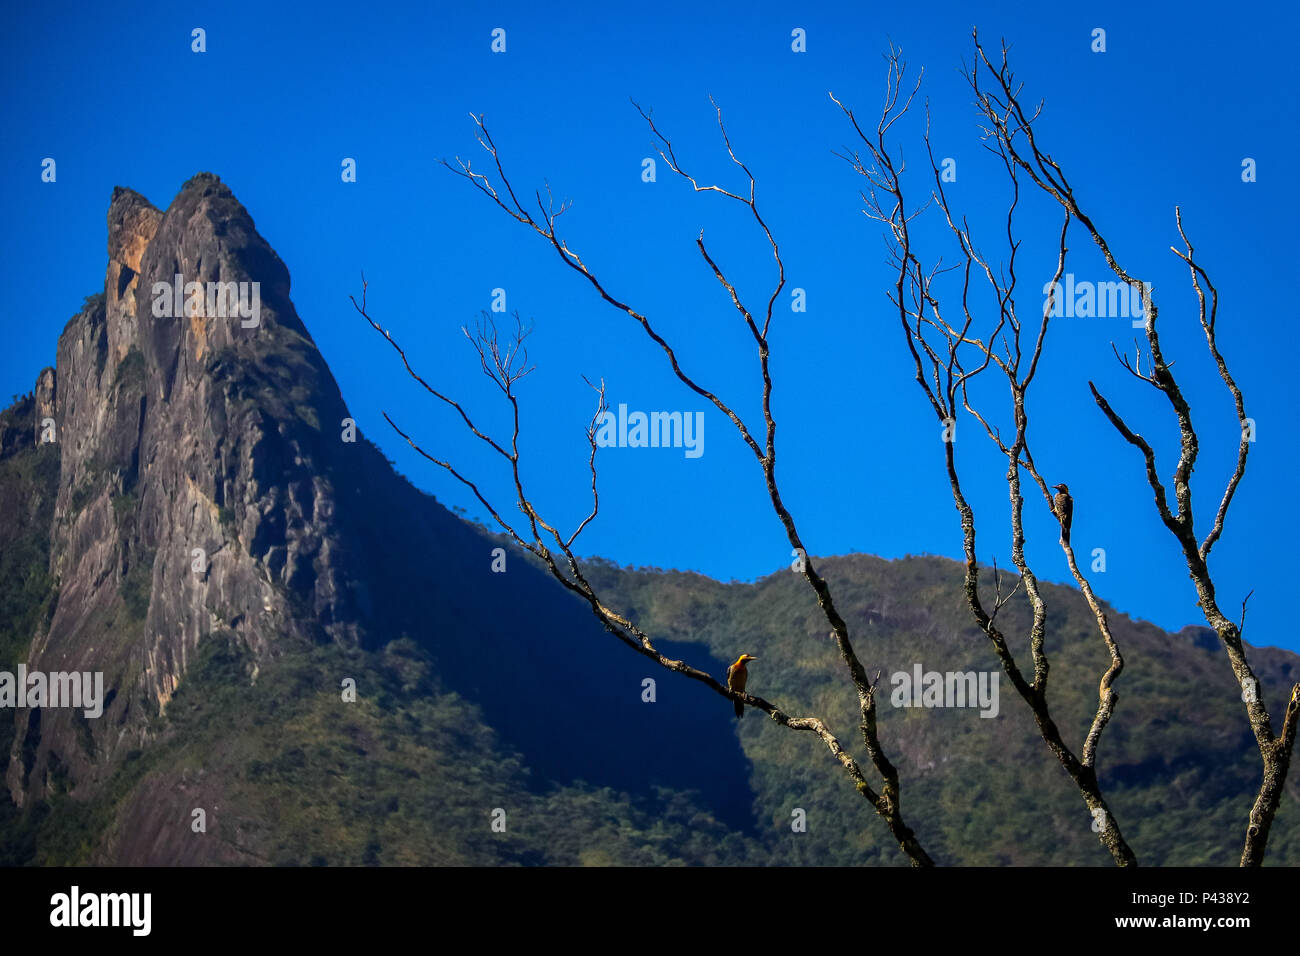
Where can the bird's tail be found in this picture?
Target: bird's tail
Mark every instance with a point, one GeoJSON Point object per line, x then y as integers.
{"type": "Point", "coordinates": [740, 709]}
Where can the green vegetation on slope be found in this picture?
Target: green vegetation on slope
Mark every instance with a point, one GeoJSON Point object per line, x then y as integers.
{"type": "Point", "coordinates": [1178, 763]}
{"type": "Point", "coordinates": [290, 774]}
{"type": "Point", "coordinates": [28, 483]}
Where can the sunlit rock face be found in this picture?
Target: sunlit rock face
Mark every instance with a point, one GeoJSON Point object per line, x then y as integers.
{"type": "Point", "coordinates": [194, 492]}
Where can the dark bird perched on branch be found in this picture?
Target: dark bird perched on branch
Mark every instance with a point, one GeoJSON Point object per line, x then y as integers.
{"type": "Point", "coordinates": [1063, 504]}
{"type": "Point", "coordinates": [737, 677]}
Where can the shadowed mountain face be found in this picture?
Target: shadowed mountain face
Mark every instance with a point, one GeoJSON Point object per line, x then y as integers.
{"type": "Point", "coordinates": [197, 526]}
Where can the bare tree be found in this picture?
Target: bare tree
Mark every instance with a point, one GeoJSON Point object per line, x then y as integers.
{"type": "Point", "coordinates": [507, 366]}
{"type": "Point", "coordinates": [1007, 117]}
{"type": "Point", "coordinates": [937, 346]}
{"type": "Point", "coordinates": [951, 346]}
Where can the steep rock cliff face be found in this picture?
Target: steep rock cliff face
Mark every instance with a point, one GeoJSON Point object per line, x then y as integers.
{"type": "Point", "coordinates": [194, 494]}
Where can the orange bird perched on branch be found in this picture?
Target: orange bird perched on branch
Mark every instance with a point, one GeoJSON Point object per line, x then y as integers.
{"type": "Point", "coordinates": [737, 677]}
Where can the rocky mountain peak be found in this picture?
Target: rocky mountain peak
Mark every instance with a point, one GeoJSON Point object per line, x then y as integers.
{"type": "Point", "coordinates": [195, 483]}
{"type": "Point", "coordinates": [132, 223]}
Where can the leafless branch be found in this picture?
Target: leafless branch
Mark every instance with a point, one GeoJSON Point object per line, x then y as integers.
{"type": "Point", "coordinates": [1275, 750]}
{"type": "Point", "coordinates": [943, 375]}
{"type": "Point", "coordinates": [887, 801]}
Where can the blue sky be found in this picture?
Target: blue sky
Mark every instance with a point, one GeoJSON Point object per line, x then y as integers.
{"type": "Point", "coordinates": [1165, 116]}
